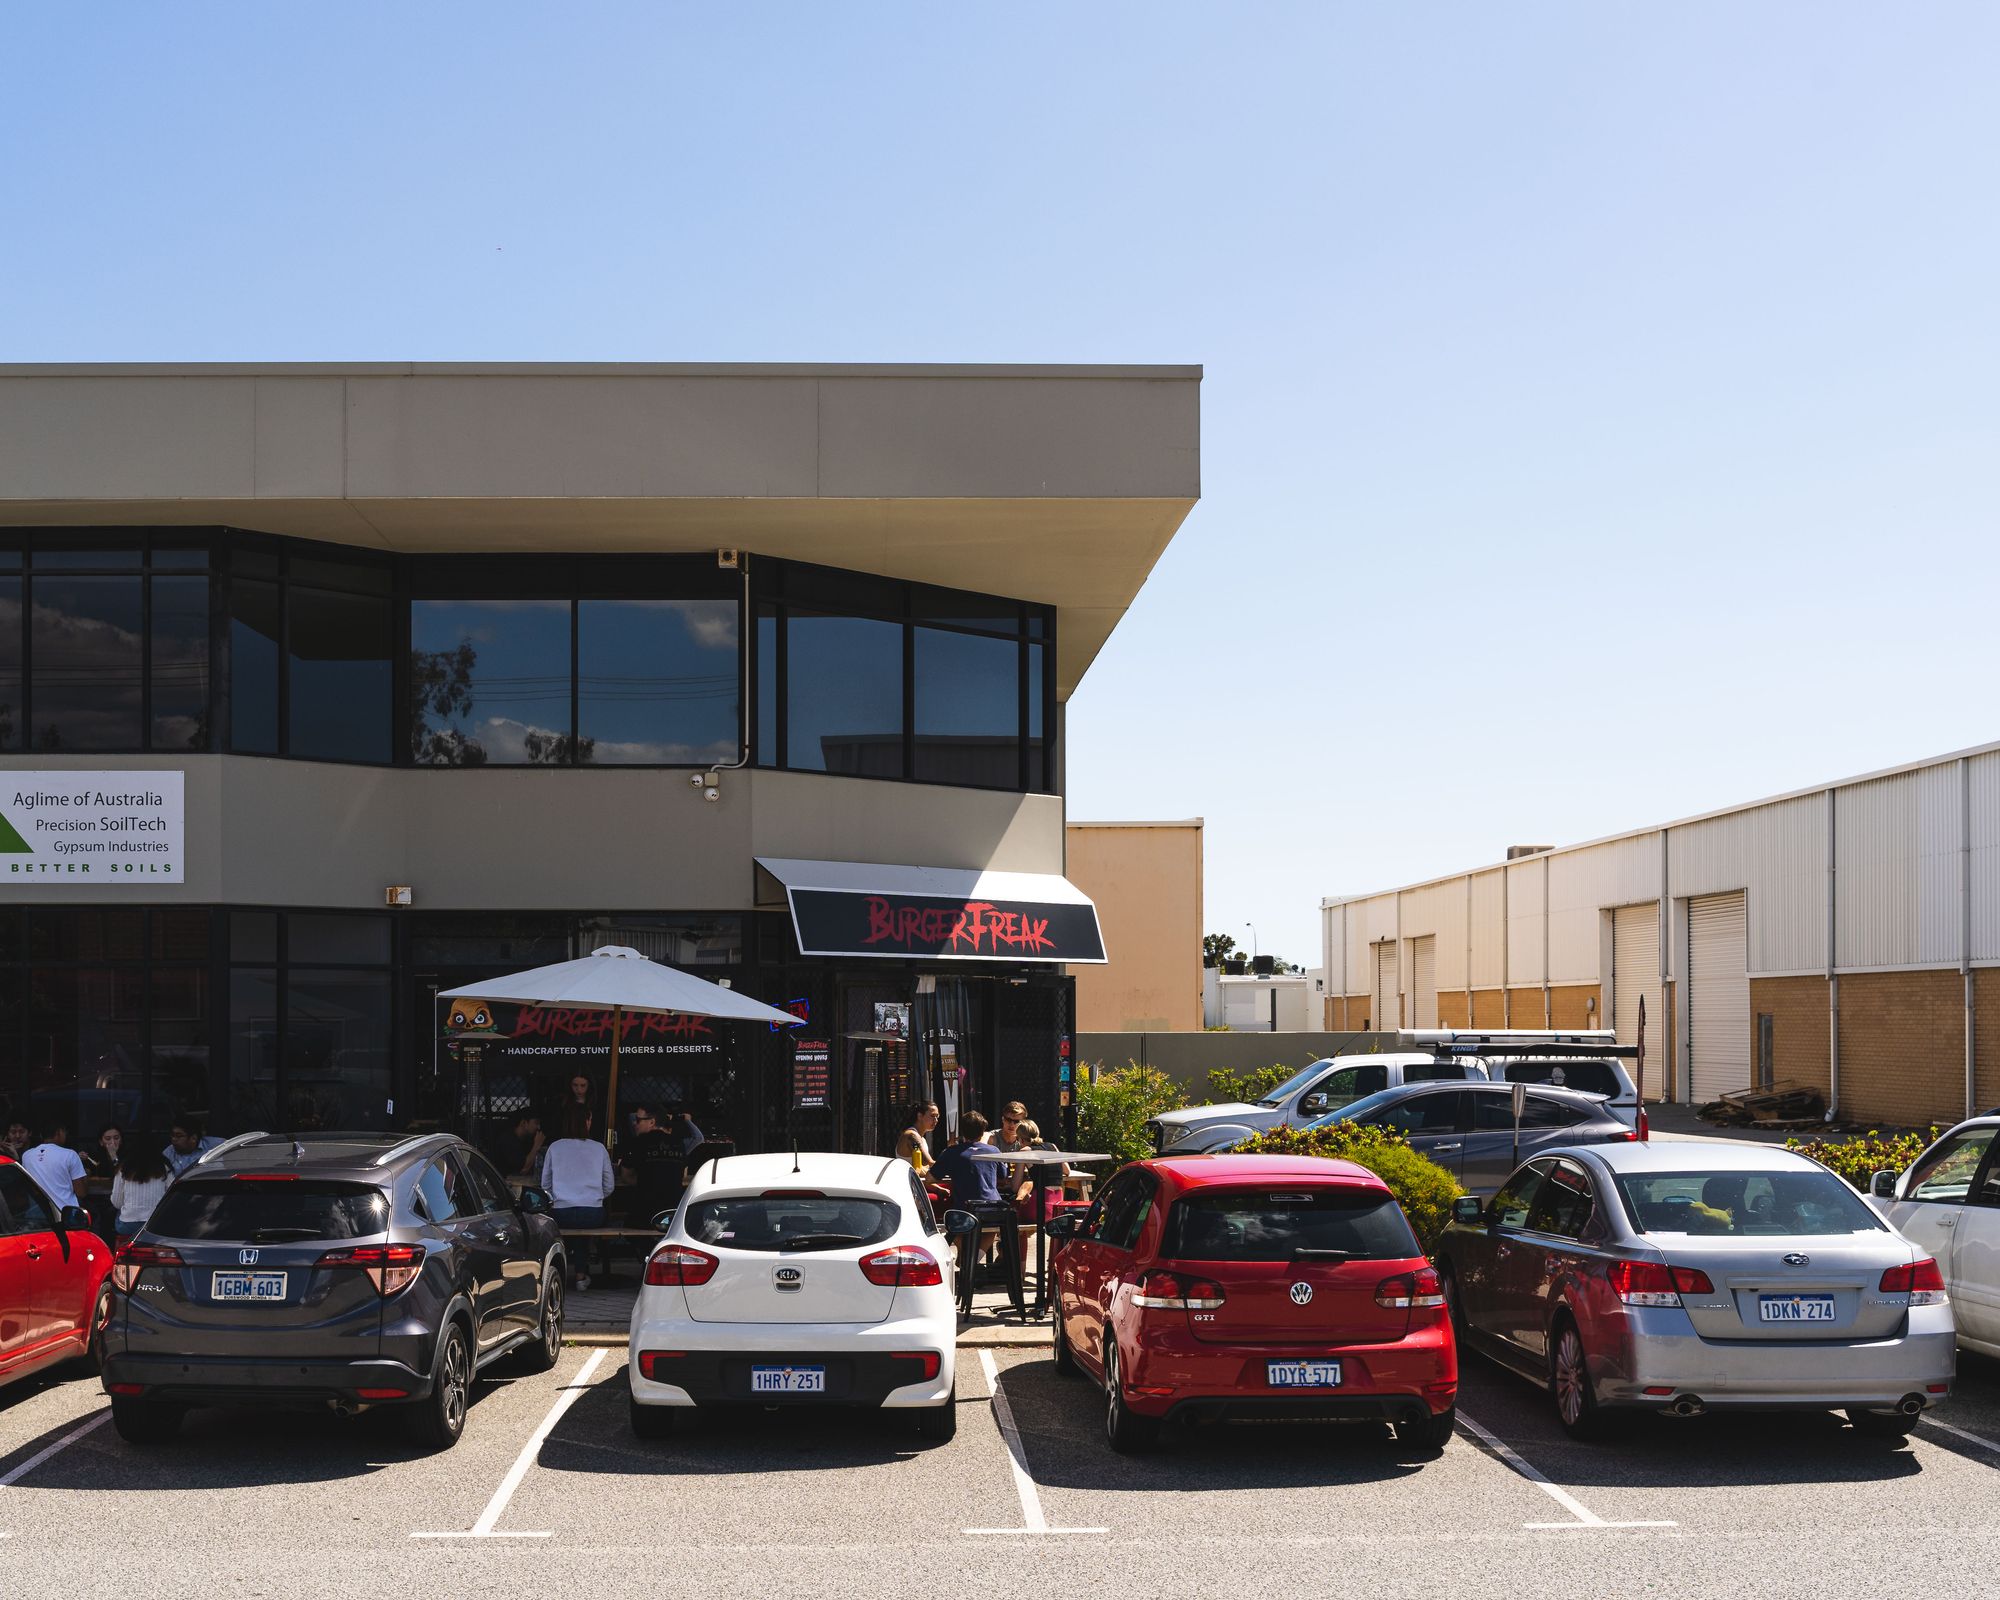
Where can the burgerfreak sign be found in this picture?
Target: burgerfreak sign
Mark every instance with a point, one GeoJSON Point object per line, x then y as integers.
{"type": "Point", "coordinates": [60, 829]}
{"type": "Point", "coordinates": [839, 922]}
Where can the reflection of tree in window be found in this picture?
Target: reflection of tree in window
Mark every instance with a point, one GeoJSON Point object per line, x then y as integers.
{"type": "Point", "coordinates": [490, 683]}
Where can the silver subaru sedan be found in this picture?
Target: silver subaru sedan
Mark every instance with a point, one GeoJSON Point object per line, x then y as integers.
{"type": "Point", "coordinates": [1688, 1277]}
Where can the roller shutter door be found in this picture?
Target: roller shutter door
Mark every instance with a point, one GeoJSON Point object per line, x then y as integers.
{"type": "Point", "coordinates": [1386, 1018]}
{"type": "Point", "coordinates": [1635, 971]}
{"type": "Point", "coordinates": [1718, 996]}
{"type": "Point", "coordinates": [1423, 983]}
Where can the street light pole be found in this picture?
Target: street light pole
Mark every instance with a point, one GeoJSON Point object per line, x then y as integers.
{"type": "Point", "coordinates": [1253, 939]}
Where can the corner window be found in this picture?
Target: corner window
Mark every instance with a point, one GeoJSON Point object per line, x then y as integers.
{"type": "Point", "coordinates": [844, 701]}
{"type": "Point", "coordinates": [311, 646]}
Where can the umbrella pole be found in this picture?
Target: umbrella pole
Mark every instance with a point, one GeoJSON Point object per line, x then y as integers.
{"type": "Point", "coordinates": [611, 1091]}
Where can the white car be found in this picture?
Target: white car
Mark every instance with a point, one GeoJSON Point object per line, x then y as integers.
{"type": "Point", "coordinates": [798, 1281]}
{"type": "Point", "coordinates": [1948, 1206]}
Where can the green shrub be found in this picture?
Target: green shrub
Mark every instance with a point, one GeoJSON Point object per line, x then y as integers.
{"type": "Point", "coordinates": [1112, 1108]}
{"type": "Point", "coordinates": [1858, 1159]}
{"type": "Point", "coordinates": [1422, 1188]}
{"type": "Point", "coordinates": [1226, 1083]}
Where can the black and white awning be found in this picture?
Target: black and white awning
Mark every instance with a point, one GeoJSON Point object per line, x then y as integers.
{"type": "Point", "coordinates": [875, 910]}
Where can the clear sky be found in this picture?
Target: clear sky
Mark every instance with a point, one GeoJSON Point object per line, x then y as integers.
{"type": "Point", "coordinates": [1601, 420]}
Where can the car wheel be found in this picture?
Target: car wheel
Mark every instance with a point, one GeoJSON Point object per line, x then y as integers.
{"type": "Point", "coordinates": [145, 1421]}
{"type": "Point", "coordinates": [651, 1422]}
{"type": "Point", "coordinates": [1883, 1424]}
{"type": "Point", "coordinates": [1065, 1357]}
{"type": "Point", "coordinates": [1569, 1385]}
{"type": "Point", "coordinates": [1448, 1287]}
{"type": "Point", "coordinates": [1128, 1432]}
{"type": "Point", "coordinates": [1432, 1434]}
{"type": "Point", "coordinates": [439, 1419]}
{"type": "Point", "coordinates": [937, 1422]}
{"type": "Point", "coordinates": [547, 1348]}
{"type": "Point", "coordinates": [91, 1362]}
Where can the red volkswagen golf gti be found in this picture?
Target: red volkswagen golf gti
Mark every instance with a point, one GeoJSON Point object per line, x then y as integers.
{"type": "Point", "coordinates": [1220, 1287]}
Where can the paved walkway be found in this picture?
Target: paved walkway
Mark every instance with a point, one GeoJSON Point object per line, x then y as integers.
{"type": "Point", "coordinates": [602, 1314]}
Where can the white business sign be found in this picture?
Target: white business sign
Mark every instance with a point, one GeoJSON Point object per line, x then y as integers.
{"type": "Point", "coordinates": [67, 828]}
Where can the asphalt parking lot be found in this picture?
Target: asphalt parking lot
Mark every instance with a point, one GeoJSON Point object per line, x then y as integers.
{"type": "Point", "coordinates": [548, 1488]}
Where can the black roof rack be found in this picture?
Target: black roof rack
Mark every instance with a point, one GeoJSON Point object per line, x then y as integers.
{"type": "Point", "coordinates": [1582, 1052]}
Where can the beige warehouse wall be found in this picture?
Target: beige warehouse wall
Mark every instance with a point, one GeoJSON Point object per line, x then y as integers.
{"type": "Point", "coordinates": [1146, 880]}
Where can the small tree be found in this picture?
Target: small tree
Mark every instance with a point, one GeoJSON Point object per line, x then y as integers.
{"type": "Point", "coordinates": [1113, 1107]}
{"type": "Point", "coordinates": [1216, 948]}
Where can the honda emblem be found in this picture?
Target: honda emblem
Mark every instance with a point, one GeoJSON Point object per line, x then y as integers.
{"type": "Point", "coordinates": [246, 1258]}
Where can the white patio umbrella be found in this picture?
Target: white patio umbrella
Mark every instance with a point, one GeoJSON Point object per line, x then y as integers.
{"type": "Point", "coordinates": [619, 979]}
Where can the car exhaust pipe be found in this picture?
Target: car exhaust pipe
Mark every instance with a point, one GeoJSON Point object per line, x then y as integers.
{"type": "Point", "coordinates": [1688, 1405]}
{"type": "Point", "coordinates": [1910, 1405]}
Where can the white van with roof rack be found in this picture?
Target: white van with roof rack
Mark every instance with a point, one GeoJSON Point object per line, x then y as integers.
{"type": "Point", "coordinates": [1588, 1059]}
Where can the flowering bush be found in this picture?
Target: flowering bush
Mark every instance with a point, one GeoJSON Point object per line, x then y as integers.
{"type": "Point", "coordinates": [1858, 1159]}
{"type": "Point", "coordinates": [1422, 1188]}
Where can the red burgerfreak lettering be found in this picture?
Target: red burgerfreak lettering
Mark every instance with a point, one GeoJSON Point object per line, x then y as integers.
{"type": "Point", "coordinates": [977, 925]}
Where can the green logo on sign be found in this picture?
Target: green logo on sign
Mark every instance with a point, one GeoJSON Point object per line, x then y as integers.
{"type": "Point", "coordinates": [11, 842]}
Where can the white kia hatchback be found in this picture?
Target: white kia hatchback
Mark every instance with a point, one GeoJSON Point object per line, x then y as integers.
{"type": "Point", "coordinates": [792, 1281]}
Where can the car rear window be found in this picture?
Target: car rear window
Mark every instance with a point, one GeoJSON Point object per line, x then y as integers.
{"type": "Point", "coordinates": [792, 1221]}
{"type": "Point", "coordinates": [1593, 1077]}
{"type": "Point", "coordinates": [1744, 1204]}
{"type": "Point", "coordinates": [270, 1212]}
{"type": "Point", "coordinates": [1272, 1224]}
{"type": "Point", "coordinates": [1433, 1071]}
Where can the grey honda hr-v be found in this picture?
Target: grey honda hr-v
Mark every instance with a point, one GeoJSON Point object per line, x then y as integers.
{"type": "Point", "coordinates": [342, 1270]}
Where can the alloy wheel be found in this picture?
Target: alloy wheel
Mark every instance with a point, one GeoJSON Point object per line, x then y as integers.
{"type": "Point", "coordinates": [452, 1379]}
{"type": "Point", "coordinates": [1570, 1377]}
{"type": "Point", "coordinates": [552, 1319]}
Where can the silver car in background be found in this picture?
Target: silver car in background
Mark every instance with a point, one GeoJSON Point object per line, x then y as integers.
{"type": "Point", "coordinates": [1690, 1277]}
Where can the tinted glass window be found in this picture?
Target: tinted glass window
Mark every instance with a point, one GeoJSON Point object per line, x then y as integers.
{"type": "Point", "coordinates": [1040, 757]}
{"type": "Point", "coordinates": [792, 1222]}
{"type": "Point", "coordinates": [270, 1212]}
{"type": "Point", "coordinates": [180, 663]}
{"type": "Point", "coordinates": [1270, 1226]}
{"type": "Point", "coordinates": [1124, 1212]}
{"type": "Point", "coordinates": [1593, 1077]}
{"type": "Point", "coordinates": [489, 682]}
{"type": "Point", "coordinates": [844, 699]}
{"type": "Point", "coordinates": [254, 630]}
{"type": "Point", "coordinates": [337, 647]}
{"type": "Point", "coordinates": [494, 1195]}
{"type": "Point", "coordinates": [1542, 1112]}
{"type": "Point", "coordinates": [1946, 1171]}
{"type": "Point", "coordinates": [657, 682]}
{"type": "Point", "coordinates": [88, 654]}
{"type": "Point", "coordinates": [359, 939]}
{"type": "Point", "coordinates": [26, 1208]}
{"type": "Point", "coordinates": [1293, 1084]}
{"type": "Point", "coordinates": [1421, 1113]}
{"type": "Point", "coordinates": [336, 1048]}
{"type": "Point", "coordinates": [1509, 1207]}
{"type": "Point", "coordinates": [11, 681]}
{"type": "Point", "coordinates": [1742, 1204]}
{"type": "Point", "coordinates": [921, 1203]}
{"type": "Point", "coordinates": [440, 1188]}
{"type": "Point", "coordinates": [767, 687]}
{"type": "Point", "coordinates": [1562, 1204]}
{"type": "Point", "coordinates": [1434, 1071]}
{"type": "Point", "coordinates": [1494, 1112]}
{"type": "Point", "coordinates": [1351, 1083]}
{"type": "Point", "coordinates": [968, 709]}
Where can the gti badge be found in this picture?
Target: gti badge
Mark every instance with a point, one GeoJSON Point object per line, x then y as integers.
{"type": "Point", "coordinates": [788, 1277]}
{"type": "Point", "coordinates": [1302, 1294]}
{"type": "Point", "coordinates": [246, 1258]}
{"type": "Point", "coordinates": [1797, 1260]}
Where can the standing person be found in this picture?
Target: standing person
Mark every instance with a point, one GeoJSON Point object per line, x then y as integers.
{"type": "Point", "coordinates": [577, 1173]}
{"type": "Point", "coordinates": [139, 1186]}
{"type": "Point", "coordinates": [658, 1164]}
{"type": "Point", "coordinates": [689, 1136]}
{"type": "Point", "coordinates": [58, 1169]}
{"type": "Point", "coordinates": [102, 1160]}
{"type": "Point", "coordinates": [913, 1144]}
{"type": "Point", "coordinates": [186, 1144]}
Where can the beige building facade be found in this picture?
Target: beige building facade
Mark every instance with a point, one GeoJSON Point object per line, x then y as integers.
{"type": "Point", "coordinates": [1145, 878]}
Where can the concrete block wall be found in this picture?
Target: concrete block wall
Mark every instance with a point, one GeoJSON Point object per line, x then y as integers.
{"type": "Point", "coordinates": [1570, 1006]}
{"type": "Point", "coordinates": [1451, 1009]}
{"type": "Point", "coordinates": [1800, 1029]}
{"type": "Point", "coordinates": [1489, 1008]}
{"type": "Point", "coordinates": [1902, 1047]}
{"type": "Point", "coordinates": [1524, 1008]}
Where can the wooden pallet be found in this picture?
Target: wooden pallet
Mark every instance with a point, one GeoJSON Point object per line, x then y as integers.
{"type": "Point", "coordinates": [1782, 1105]}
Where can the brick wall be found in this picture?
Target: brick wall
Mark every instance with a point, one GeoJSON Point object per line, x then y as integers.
{"type": "Point", "coordinates": [1569, 1006]}
{"type": "Point", "coordinates": [1524, 1008]}
{"type": "Point", "coordinates": [1986, 1035]}
{"type": "Point", "coordinates": [1346, 1013]}
{"type": "Point", "coordinates": [1451, 1009]}
{"type": "Point", "coordinates": [1902, 1047]}
{"type": "Point", "coordinates": [1488, 1008]}
{"type": "Point", "coordinates": [1800, 1051]}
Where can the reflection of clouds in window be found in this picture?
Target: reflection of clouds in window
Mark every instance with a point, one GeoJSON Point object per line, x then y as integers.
{"type": "Point", "coordinates": [88, 658]}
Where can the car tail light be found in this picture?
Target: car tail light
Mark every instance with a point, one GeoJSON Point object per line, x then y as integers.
{"type": "Point", "coordinates": [382, 1394]}
{"type": "Point", "coordinates": [650, 1362]}
{"type": "Point", "coordinates": [927, 1362]}
{"type": "Point", "coordinates": [1408, 1289]}
{"type": "Point", "coordinates": [1173, 1291]}
{"type": "Point", "coordinates": [1920, 1280]}
{"type": "Point", "coordinates": [1625, 1136]}
{"type": "Point", "coordinates": [1690, 1280]}
{"type": "Point", "coordinates": [133, 1259]}
{"type": "Point", "coordinates": [392, 1268]}
{"type": "Point", "coordinates": [676, 1263]}
{"type": "Point", "coordinates": [126, 1389]}
{"type": "Point", "coordinates": [1645, 1128]}
{"type": "Point", "coordinates": [902, 1266]}
{"type": "Point", "coordinates": [1645, 1283]}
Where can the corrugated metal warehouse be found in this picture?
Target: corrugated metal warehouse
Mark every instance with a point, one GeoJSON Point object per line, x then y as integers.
{"type": "Point", "coordinates": [1846, 936]}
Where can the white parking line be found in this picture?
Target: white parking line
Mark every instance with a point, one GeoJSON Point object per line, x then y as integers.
{"type": "Point", "coordinates": [1032, 1519]}
{"type": "Point", "coordinates": [61, 1444]}
{"type": "Point", "coordinates": [1932, 1422]}
{"type": "Point", "coordinates": [1585, 1517]}
{"type": "Point", "coordinates": [484, 1528]}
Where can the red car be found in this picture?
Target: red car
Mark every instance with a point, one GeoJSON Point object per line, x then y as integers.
{"type": "Point", "coordinates": [1220, 1287]}
{"type": "Point", "coordinates": [54, 1298]}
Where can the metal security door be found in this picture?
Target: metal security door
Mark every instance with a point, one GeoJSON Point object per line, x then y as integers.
{"type": "Point", "coordinates": [1387, 1013]}
{"type": "Point", "coordinates": [1718, 996]}
{"type": "Point", "coordinates": [1635, 971]}
{"type": "Point", "coordinates": [1423, 983]}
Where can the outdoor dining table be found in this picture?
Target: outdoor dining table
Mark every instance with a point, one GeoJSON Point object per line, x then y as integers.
{"type": "Point", "coordinates": [1036, 1158]}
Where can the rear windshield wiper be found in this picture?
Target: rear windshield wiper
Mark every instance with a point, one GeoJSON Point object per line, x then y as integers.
{"type": "Point", "coordinates": [281, 1235]}
{"type": "Point", "coordinates": [1306, 1252]}
{"type": "Point", "coordinates": [820, 1238]}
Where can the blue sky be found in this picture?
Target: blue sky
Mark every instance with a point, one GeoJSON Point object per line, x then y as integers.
{"type": "Point", "coordinates": [1600, 413]}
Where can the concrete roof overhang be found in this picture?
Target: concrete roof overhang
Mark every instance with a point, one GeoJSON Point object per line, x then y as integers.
{"type": "Point", "coordinates": [1060, 485]}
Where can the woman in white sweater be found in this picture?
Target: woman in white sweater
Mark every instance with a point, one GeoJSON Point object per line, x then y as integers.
{"type": "Point", "coordinates": [138, 1185]}
{"type": "Point", "coordinates": [576, 1171]}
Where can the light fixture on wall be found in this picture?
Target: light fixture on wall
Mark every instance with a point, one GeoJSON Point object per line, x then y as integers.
{"type": "Point", "coordinates": [398, 894]}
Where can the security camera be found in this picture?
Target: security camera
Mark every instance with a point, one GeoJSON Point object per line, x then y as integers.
{"type": "Point", "coordinates": [711, 794]}
{"type": "Point", "coordinates": [728, 558]}
{"type": "Point", "coordinates": [696, 780]}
